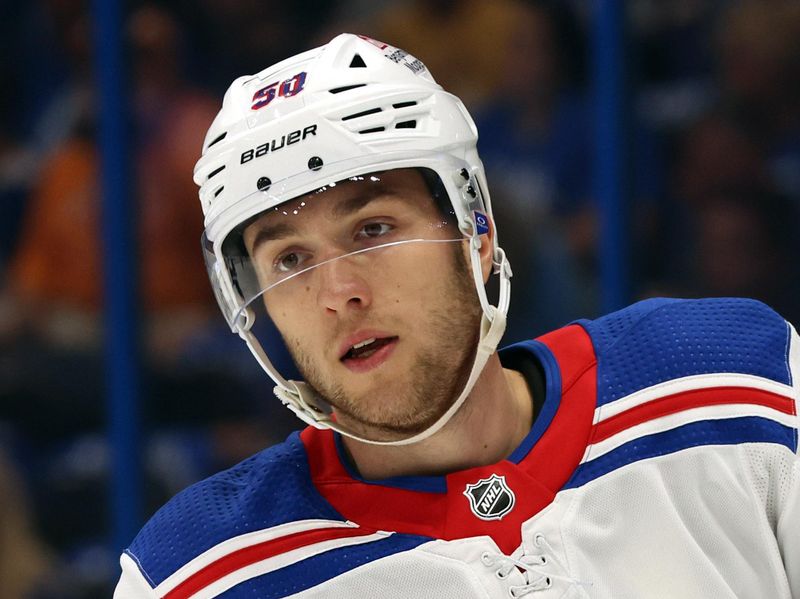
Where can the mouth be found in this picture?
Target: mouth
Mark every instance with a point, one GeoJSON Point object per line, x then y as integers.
{"type": "Point", "coordinates": [368, 353]}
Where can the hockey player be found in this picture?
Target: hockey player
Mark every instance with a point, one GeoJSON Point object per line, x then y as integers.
{"type": "Point", "coordinates": [649, 453]}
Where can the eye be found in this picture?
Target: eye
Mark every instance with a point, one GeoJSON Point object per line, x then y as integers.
{"type": "Point", "coordinates": [372, 230]}
{"type": "Point", "coordinates": [289, 261]}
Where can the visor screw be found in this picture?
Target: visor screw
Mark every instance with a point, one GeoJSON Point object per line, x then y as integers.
{"type": "Point", "coordinates": [464, 174]}
{"type": "Point", "coordinates": [263, 184]}
{"type": "Point", "coordinates": [471, 191]}
{"type": "Point", "coordinates": [315, 163]}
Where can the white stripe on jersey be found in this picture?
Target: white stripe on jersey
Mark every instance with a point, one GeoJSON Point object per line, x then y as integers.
{"type": "Point", "coordinates": [671, 421]}
{"type": "Point", "coordinates": [281, 561]}
{"type": "Point", "coordinates": [689, 383]}
{"type": "Point", "coordinates": [242, 541]}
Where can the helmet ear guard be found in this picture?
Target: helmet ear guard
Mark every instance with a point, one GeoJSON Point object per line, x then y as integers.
{"type": "Point", "coordinates": [274, 141]}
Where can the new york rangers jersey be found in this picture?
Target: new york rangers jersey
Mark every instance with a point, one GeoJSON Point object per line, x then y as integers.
{"type": "Point", "coordinates": [662, 463]}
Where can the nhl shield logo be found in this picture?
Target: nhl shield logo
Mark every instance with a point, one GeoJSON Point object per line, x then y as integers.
{"type": "Point", "coordinates": [490, 498]}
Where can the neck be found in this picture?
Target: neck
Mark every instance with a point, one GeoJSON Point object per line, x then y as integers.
{"type": "Point", "coordinates": [492, 422]}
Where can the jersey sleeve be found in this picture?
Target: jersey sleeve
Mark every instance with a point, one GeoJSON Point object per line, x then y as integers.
{"type": "Point", "coordinates": [731, 357]}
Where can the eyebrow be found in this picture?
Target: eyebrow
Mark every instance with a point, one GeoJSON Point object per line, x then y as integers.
{"type": "Point", "coordinates": [357, 202]}
{"type": "Point", "coordinates": [272, 232]}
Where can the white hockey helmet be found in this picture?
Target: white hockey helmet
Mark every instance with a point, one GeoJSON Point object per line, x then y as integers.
{"type": "Point", "coordinates": [352, 107]}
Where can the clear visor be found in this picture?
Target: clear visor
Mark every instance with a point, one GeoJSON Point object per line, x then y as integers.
{"type": "Point", "coordinates": [344, 238]}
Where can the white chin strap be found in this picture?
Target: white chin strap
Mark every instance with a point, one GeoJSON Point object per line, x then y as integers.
{"type": "Point", "coordinates": [303, 394]}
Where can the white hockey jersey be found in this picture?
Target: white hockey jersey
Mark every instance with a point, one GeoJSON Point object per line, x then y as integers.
{"type": "Point", "coordinates": [662, 464]}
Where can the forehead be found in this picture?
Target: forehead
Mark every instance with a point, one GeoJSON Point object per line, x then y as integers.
{"type": "Point", "coordinates": [406, 187]}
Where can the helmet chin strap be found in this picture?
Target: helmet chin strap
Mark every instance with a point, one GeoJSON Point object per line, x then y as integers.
{"type": "Point", "coordinates": [303, 397]}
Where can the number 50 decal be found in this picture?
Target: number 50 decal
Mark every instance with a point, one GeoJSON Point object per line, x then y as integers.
{"type": "Point", "coordinates": [286, 89]}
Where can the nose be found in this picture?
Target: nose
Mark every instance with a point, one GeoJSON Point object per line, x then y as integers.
{"type": "Point", "coordinates": [342, 286]}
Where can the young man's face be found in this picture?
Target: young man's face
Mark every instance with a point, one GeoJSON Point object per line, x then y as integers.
{"type": "Point", "coordinates": [386, 335]}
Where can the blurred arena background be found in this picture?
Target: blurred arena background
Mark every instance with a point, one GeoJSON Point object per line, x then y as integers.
{"type": "Point", "coordinates": [712, 106]}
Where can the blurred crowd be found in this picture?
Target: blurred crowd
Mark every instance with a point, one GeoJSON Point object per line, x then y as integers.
{"type": "Point", "coordinates": [714, 128]}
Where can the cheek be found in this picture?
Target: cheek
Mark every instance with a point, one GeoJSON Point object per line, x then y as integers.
{"type": "Point", "coordinates": [420, 285]}
{"type": "Point", "coordinates": [290, 313]}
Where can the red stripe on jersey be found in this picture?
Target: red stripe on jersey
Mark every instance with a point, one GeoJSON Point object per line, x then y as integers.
{"type": "Point", "coordinates": [247, 556]}
{"type": "Point", "coordinates": [680, 402]}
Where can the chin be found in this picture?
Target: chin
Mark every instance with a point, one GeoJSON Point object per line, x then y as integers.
{"type": "Point", "coordinates": [378, 409]}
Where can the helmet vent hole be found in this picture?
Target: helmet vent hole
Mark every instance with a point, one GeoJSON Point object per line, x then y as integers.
{"type": "Point", "coordinates": [218, 139]}
{"type": "Point", "coordinates": [219, 191]}
{"type": "Point", "coordinates": [358, 62]}
{"type": "Point", "coordinates": [404, 104]}
{"type": "Point", "coordinates": [373, 130]}
{"type": "Point", "coordinates": [359, 114]}
{"type": "Point", "coordinates": [215, 172]}
{"type": "Point", "coordinates": [339, 90]}
{"type": "Point", "coordinates": [406, 125]}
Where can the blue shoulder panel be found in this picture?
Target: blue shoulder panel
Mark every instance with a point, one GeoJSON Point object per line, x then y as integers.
{"type": "Point", "coordinates": [272, 487]}
{"type": "Point", "coordinates": [657, 340]}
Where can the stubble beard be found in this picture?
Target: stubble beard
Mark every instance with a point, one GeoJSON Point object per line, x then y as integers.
{"type": "Point", "coordinates": [439, 373]}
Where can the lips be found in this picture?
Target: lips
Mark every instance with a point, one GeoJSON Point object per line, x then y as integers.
{"type": "Point", "coordinates": [366, 350]}
{"type": "Point", "coordinates": [362, 338]}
